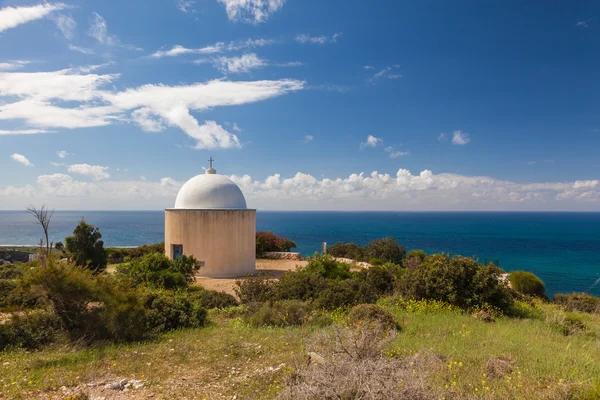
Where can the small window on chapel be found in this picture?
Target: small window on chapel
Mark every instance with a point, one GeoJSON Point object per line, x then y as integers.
{"type": "Point", "coordinates": [177, 251]}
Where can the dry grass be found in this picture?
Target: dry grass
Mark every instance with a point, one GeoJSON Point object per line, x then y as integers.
{"type": "Point", "coordinates": [439, 353]}
{"type": "Point", "coordinates": [348, 363]}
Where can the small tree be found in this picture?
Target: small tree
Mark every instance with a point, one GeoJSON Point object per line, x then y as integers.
{"type": "Point", "coordinates": [386, 249]}
{"type": "Point", "coordinates": [85, 247]}
{"type": "Point", "coordinates": [43, 216]}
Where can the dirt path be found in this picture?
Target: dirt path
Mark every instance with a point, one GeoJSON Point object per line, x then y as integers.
{"type": "Point", "coordinates": [276, 268]}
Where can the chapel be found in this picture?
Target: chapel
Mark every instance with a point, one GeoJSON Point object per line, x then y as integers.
{"type": "Point", "coordinates": [210, 221]}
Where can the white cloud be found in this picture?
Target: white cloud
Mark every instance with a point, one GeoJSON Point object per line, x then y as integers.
{"type": "Point", "coordinates": [66, 24]}
{"type": "Point", "coordinates": [250, 43]}
{"type": "Point", "coordinates": [24, 132]}
{"type": "Point", "coordinates": [210, 135]}
{"type": "Point", "coordinates": [252, 11]}
{"type": "Point", "coordinates": [97, 172]}
{"type": "Point", "coordinates": [12, 65]}
{"type": "Point", "coordinates": [368, 67]}
{"type": "Point", "coordinates": [372, 141]}
{"type": "Point", "coordinates": [305, 38]}
{"type": "Point", "coordinates": [147, 120]}
{"type": "Point", "coordinates": [395, 153]}
{"type": "Point", "coordinates": [21, 159]}
{"type": "Point", "coordinates": [584, 23]}
{"type": "Point", "coordinates": [143, 178]}
{"type": "Point", "coordinates": [387, 72]}
{"type": "Point", "coordinates": [364, 191]}
{"type": "Point", "coordinates": [236, 128]}
{"type": "Point", "coordinates": [442, 137]}
{"type": "Point", "coordinates": [186, 6]}
{"type": "Point", "coordinates": [82, 50]}
{"type": "Point", "coordinates": [591, 184]}
{"type": "Point", "coordinates": [308, 138]}
{"type": "Point", "coordinates": [241, 64]}
{"type": "Point", "coordinates": [99, 31]}
{"type": "Point", "coordinates": [11, 17]}
{"type": "Point", "coordinates": [62, 154]}
{"type": "Point", "coordinates": [178, 50]}
{"type": "Point", "coordinates": [41, 96]}
{"type": "Point", "coordinates": [460, 138]}
{"type": "Point", "coordinates": [218, 47]}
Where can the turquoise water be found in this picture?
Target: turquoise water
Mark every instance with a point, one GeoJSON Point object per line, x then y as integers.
{"type": "Point", "coordinates": [562, 248]}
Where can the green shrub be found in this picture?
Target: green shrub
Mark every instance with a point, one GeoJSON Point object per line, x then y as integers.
{"type": "Point", "coordinates": [255, 289]}
{"type": "Point", "coordinates": [419, 254]}
{"type": "Point", "coordinates": [572, 325]}
{"type": "Point", "coordinates": [375, 261]}
{"type": "Point", "coordinates": [85, 247]}
{"type": "Point", "coordinates": [281, 313]}
{"type": "Point", "coordinates": [457, 280]}
{"type": "Point", "coordinates": [578, 302]}
{"type": "Point", "coordinates": [347, 250]}
{"type": "Point", "coordinates": [381, 279]}
{"type": "Point", "coordinates": [11, 271]}
{"type": "Point", "coordinates": [327, 267]}
{"type": "Point", "coordinates": [268, 241]}
{"type": "Point", "coordinates": [301, 285]}
{"type": "Point", "coordinates": [167, 310]}
{"type": "Point", "coordinates": [30, 331]}
{"type": "Point", "coordinates": [383, 250]}
{"type": "Point", "coordinates": [386, 250]}
{"type": "Point", "coordinates": [159, 272]}
{"type": "Point", "coordinates": [89, 306]}
{"type": "Point", "coordinates": [525, 309]}
{"type": "Point", "coordinates": [210, 299]}
{"type": "Point", "coordinates": [344, 293]}
{"type": "Point", "coordinates": [527, 283]}
{"type": "Point", "coordinates": [371, 314]}
{"type": "Point", "coordinates": [120, 255]}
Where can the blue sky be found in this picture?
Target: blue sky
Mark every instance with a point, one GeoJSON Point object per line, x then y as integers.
{"type": "Point", "coordinates": [455, 105]}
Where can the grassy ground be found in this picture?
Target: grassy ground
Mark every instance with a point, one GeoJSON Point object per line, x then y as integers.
{"type": "Point", "coordinates": [507, 359]}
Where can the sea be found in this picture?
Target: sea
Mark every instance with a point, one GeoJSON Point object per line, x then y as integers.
{"type": "Point", "coordinates": [563, 249]}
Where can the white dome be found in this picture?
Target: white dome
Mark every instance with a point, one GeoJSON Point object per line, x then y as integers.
{"type": "Point", "coordinates": [210, 191]}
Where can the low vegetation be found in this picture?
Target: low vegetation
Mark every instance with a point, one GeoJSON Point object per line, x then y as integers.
{"type": "Point", "coordinates": [376, 251]}
{"type": "Point", "coordinates": [527, 283]}
{"type": "Point", "coordinates": [413, 326]}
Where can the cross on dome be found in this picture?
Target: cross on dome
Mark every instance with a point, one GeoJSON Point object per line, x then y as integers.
{"type": "Point", "coordinates": [211, 170]}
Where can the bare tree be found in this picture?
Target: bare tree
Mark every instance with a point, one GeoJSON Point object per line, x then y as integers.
{"type": "Point", "coordinates": [43, 216]}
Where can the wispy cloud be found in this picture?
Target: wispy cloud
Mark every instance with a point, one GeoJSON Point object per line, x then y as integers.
{"type": "Point", "coordinates": [97, 172]}
{"type": "Point", "coordinates": [387, 73]}
{"type": "Point", "coordinates": [12, 65]}
{"type": "Point", "coordinates": [371, 141]}
{"type": "Point", "coordinates": [442, 137]}
{"type": "Point", "coordinates": [178, 50]}
{"type": "Point", "coordinates": [186, 6]}
{"type": "Point", "coordinates": [82, 50]}
{"type": "Point", "coordinates": [99, 31]}
{"type": "Point", "coordinates": [308, 138]}
{"type": "Point", "coordinates": [251, 11]}
{"type": "Point", "coordinates": [62, 154]}
{"type": "Point", "coordinates": [244, 63]}
{"type": "Point", "coordinates": [391, 150]}
{"type": "Point", "coordinates": [39, 99]}
{"type": "Point", "coordinates": [305, 38]}
{"type": "Point", "coordinates": [24, 131]}
{"type": "Point", "coordinates": [20, 158]}
{"type": "Point", "coordinates": [11, 17]}
{"type": "Point", "coordinates": [585, 23]}
{"type": "Point", "coordinates": [66, 24]}
{"type": "Point", "coordinates": [460, 138]}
